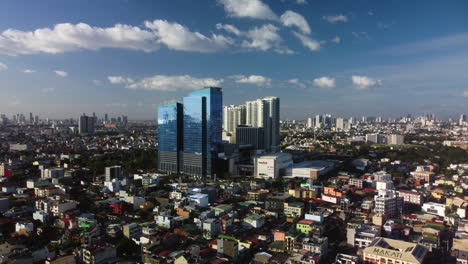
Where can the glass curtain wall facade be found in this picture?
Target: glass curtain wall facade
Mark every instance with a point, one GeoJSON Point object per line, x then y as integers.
{"type": "Point", "coordinates": [203, 119]}
{"type": "Point", "coordinates": [170, 137]}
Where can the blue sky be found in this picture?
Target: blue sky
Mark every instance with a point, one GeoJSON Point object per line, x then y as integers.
{"type": "Point", "coordinates": [362, 57]}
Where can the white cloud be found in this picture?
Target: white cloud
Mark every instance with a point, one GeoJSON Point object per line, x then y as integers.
{"type": "Point", "coordinates": [61, 73]}
{"type": "Point", "coordinates": [29, 71]}
{"type": "Point", "coordinates": [311, 44]}
{"type": "Point", "coordinates": [69, 37]}
{"type": "Point", "coordinates": [97, 82]}
{"type": "Point", "coordinates": [465, 94]}
{"type": "Point", "coordinates": [3, 67]}
{"type": "Point", "coordinates": [178, 37]}
{"type": "Point", "coordinates": [361, 35]}
{"type": "Point", "coordinates": [229, 28]}
{"type": "Point", "coordinates": [364, 82]}
{"type": "Point", "coordinates": [119, 80]}
{"type": "Point", "coordinates": [297, 82]}
{"type": "Point", "coordinates": [324, 82]}
{"type": "Point", "coordinates": [265, 38]}
{"type": "Point", "coordinates": [290, 18]}
{"type": "Point", "coordinates": [336, 40]}
{"type": "Point", "coordinates": [252, 79]}
{"type": "Point", "coordinates": [336, 18]}
{"type": "Point", "coordinates": [248, 8]}
{"type": "Point", "coordinates": [301, 2]}
{"type": "Point", "coordinates": [173, 83]}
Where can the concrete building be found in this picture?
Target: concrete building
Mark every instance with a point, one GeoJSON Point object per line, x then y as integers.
{"type": "Point", "coordinates": [411, 197]}
{"type": "Point", "coordinates": [272, 166]}
{"type": "Point", "coordinates": [434, 208]}
{"type": "Point", "coordinates": [114, 172]}
{"type": "Point", "coordinates": [361, 236]}
{"type": "Point", "coordinates": [228, 246]}
{"type": "Point", "coordinates": [385, 250]}
{"type": "Point", "coordinates": [132, 230]}
{"type": "Point", "coordinates": [211, 228]}
{"type": "Point", "coordinates": [387, 202]}
{"type": "Point", "coordinates": [395, 139]}
{"type": "Point", "coordinates": [309, 169]}
{"type": "Point", "coordinates": [86, 125]}
{"type": "Point", "coordinates": [253, 136]}
{"type": "Point", "coordinates": [233, 116]}
{"type": "Point", "coordinates": [254, 221]}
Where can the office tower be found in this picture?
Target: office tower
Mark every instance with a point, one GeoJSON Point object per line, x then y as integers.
{"type": "Point", "coordinates": [351, 121]}
{"type": "Point", "coordinates": [106, 117]}
{"type": "Point", "coordinates": [31, 118]}
{"type": "Point", "coordinates": [170, 137]}
{"type": "Point", "coordinates": [114, 172]}
{"type": "Point", "coordinates": [318, 121]}
{"type": "Point", "coordinates": [202, 131]}
{"type": "Point", "coordinates": [265, 113]}
{"type": "Point", "coordinates": [86, 125]}
{"type": "Point", "coordinates": [378, 119]}
{"type": "Point", "coordinates": [36, 120]}
{"type": "Point", "coordinates": [310, 122]}
{"type": "Point", "coordinates": [327, 120]}
{"type": "Point", "coordinates": [364, 119]}
{"type": "Point", "coordinates": [125, 119]}
{"type": "Point", "coordinates": [248, 135]}
{"type": "Point", "coordinates": [462, 120]}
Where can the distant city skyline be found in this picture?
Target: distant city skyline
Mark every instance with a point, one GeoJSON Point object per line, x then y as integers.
{"type": "Point", "coordinates": [125, 57]}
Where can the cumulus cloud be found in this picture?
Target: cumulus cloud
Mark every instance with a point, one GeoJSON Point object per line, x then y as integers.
{"type": "Point", "coordinates": [296, 82]}
{"type": "Point", "coordinates": [229, 28]}
{"type": "Point", "coordinates": [336, 40]}
{"type": "Point", "coordinates": [61, 73]}
{"type": "Point", "coordinates": [364, 82]}
{"type": "Point", "coordinates": [3, 67]}
{"type": "Point", "coordinates": [119, 80]}
{"type": "Point", "coordinates": [252, 79]}
{"type": "Point", "coordinates": [290, 18]}
{"type": "Point", "coordinates": [178, 37]}
{"type": "Point", "coordinates": [311, 44]}
{"type": "Point", "coordinates": [29, 71]}
{"type": "Point", "coordinates": [174, 83]}
{"type": "Point", "coordinates": [248, 8]}
{"type": "Point", "coordinates": [324, 82]}
{"type": "Point", "coordinates": [265, 38]}
{"type": "Point", "coordinates": [335, 18]}
{"type": "Point", "coordinates": [69, 37]}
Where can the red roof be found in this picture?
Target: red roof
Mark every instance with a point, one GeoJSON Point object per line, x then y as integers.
{"type": "Point", "coordinates": [164, 253]}
{"type": "Point", "coordinates": [306, 222]}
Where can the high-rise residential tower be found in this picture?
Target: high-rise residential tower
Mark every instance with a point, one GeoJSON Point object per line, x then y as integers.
{"type": "Point", "coordinates": [266, 113]}
{"type": "Point", "coordinates": [233, 116]}
{"type": "Point", "coordinates": [170, 137]}
{"type": "Point", "coordinates": [86, 125]}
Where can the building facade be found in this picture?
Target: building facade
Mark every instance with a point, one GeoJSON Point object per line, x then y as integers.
{"type": "Point", "coordinates": [170, 137]}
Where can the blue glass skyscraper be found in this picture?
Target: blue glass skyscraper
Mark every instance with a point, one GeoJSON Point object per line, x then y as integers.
{"type": "Point", "coordinates": [202, 131]}
{"type": "Point", "coordinates": [170, 137]}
